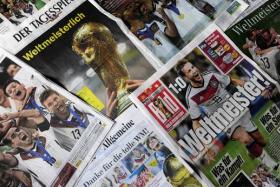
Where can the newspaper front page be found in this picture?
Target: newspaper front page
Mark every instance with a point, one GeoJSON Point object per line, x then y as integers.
{"type": "Point", "coordinates": [257, 35]}
{"type": "Point", "coordinates": [163, 28]}
{"type": "Point", "coordinates": [135, 153]}
{"type": "Point", "coordinates": [82, 50]}
{"type": "Point", "coordinates": [220, 108]}
{"type": "Point", "coordinates": [47, 134]}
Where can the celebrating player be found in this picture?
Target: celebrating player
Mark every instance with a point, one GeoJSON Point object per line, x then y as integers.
{"type": "Point", "coordinates": [67, 121]}
{"type": "Point", "coordinates": [264, 49]}
{"type": "Point", "coordinates": [38, 152]}
{"type": "Point", "coordinates": [155, 32]}
{"type": "Point", "coordinates": [209, 91]}
{"type": "Point", "coordinates": [27, 104]}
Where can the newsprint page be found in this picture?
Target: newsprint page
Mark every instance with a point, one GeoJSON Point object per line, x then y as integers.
{"type": "Point", "coordinates": [47, 134]}
{"type": "Point", "coordinates": [220, 108]}
{"type": "Point", "coordinates": [136, 153]}
{"type": "Point", "coordinates": [61, 39]}
{"type": "Point", "coordinates": [136, 93]}
{"type": "Point", "coordinates": [61, 42]}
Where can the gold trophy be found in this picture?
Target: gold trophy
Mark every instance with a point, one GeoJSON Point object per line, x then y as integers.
{"type": "Point", "coordinates": [177, 174]}
{"type": "Point", "coordinates": [94, 42]}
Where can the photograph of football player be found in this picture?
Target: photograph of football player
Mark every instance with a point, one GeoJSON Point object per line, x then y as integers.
{"type": "Point", "coordinates": [120, 174]}
{"type": "Point", "coordinates": [184, 15]}
{"type": "Point", "coordinates": [160, 105]}
{"type": "Point", "coordinates": [156, 31]}
{"type": "Point", "coordinates": [264, 47]}
{"type": "Point", "coordinates": [262, 177]}
{"type": "Point", "coordinates": [68, 123]}
{"type": "Point", "coordinates": [16, 11]}
{"type": "Point", "coordinates": [36, 150]}
{"type": "Point", "coordinates": [161, 151]}
{"type": "Point", "coordinates": [165, 26]}
{"type": "Point", "coordinates": [28, 105]}
{"type": "Point", "coordinates": [207, 91]}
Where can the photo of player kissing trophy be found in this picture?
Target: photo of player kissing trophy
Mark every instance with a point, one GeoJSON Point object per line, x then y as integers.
{"type": "Point", "coordinates": [231, 126]}
{"type": "Point", "coordinates": [94, 42]}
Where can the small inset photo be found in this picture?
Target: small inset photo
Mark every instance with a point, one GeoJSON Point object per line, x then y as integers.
{"type": "Point", "coordinates": [241, 180]}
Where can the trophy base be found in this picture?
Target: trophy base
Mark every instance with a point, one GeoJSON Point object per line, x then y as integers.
{"type": "Point", "coordinates": [123, 101]}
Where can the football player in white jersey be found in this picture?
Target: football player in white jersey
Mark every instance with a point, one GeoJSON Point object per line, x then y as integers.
{"type": "Point", "coordinates": [67, 122]}
{"type": "Point", "coordinates": [268, 48]}
{"type": "Point", "coordinates": [37, 151]}
{"type": "Point", "coordinates": [266, 58]}
{"type": "Point", "coordinates": [208, 90]}
{"type": "Point", "coordinates": [157, 34]}
{"type": "Point", "coordinates": [13, 174]}
{"type": "Point", "coordinates": [186, 17]}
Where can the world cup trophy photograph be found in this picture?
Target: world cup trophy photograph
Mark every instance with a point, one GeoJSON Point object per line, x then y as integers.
{"type": "Point", "coordinates": [95, 43]}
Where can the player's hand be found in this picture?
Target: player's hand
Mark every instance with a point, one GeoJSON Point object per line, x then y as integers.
{"type": "Point", "coordinates": [22, 177]}
{"type": "Point", "coordinates": [111, 102]}
{"type": "Point", "coordinates": [266, 94]}
{"type": "Point", "coordinates": [131, 85]}
{"type": "Point", "coordinates": [35, 134]}
{"type": "Point", "coordinates": [162, 13]}
{"type": "Point", "coordinates": [7, 116]}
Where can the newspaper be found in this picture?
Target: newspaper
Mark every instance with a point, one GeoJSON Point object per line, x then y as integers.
{"type": "Point", "coordinates": [253, 4]}
{"type": "Point", "coordinates": [82, 50]}
{"type": "Point", "coordinates": [163, 28]}
{"type": "Point", "coordinates": [46, 133]}
{"type": "Point", "coordinates": [137, 154]}
{"type": "Point", "coordinates": [257, 35]}
{"type": "Point", "coordinates": [220, 108]}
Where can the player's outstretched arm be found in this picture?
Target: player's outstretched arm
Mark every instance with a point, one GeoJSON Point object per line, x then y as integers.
{"type": "Point", "coordinates": [237, 82]}
{"type": "Point", "coordinates": [196, 124]}
{"type": "Point", "coordinates": [171, 29]}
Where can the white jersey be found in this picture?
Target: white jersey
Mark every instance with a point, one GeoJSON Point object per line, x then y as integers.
{"type": "Point", "coordinates": [268, 63]}
{"type": "Point", "coordinates": [157, 41]}
{"type": "Point", "coordinates": [186, 18]}
{"type": "Point", "coordinates": [40, 168]}
{"type": "Point", "coordinates": [9, 110]}
{"type": "Point", "coordinates": [27, 78]}
{"type": "Point", "coordinates": [252, 50]}
{"type": "Point", "coordinates": [210, 96]}
{"type": "Point", "coordinates": [67, 134]}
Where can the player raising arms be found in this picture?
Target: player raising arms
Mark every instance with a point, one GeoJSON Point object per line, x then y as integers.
{"type": "Point", "coordinates": [263, 47]}
{"type": "Point", "coordinates": [209, 90]}
{"type": "Point", "coordinates": [155, 32]}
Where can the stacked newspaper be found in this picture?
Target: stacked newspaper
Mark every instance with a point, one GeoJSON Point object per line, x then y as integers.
{"type": "Point", "coordinates": [139, 93]}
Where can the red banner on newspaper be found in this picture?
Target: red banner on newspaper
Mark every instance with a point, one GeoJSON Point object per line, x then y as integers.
{"type": "Point", "coordinates": [163, 106]}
